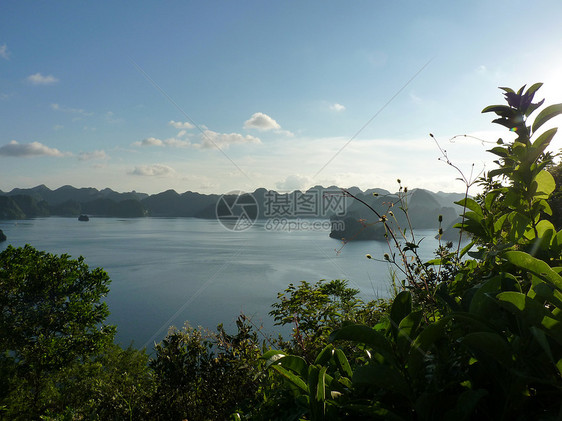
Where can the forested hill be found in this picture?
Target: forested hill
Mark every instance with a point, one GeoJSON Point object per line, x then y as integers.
{"type": "Point", "coordinates": [70, 201]}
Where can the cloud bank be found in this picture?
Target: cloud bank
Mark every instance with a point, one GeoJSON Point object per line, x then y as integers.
{"type": "Point", "coordinates": [39, 79]}
{"type": "Point", "coordinates": [180, 124]}
{"type": "Point", "coordinates": [211, 139]}
{"type": "Point", "coordinates": [87, 156]}
{"type": "Point", "coordinates": [23, 150]}
{"type": "Point", "coordinates": [155, 170]}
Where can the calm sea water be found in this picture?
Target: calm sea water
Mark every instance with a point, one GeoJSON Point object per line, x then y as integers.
{"type": "Point", "coordinates": [166, 271]}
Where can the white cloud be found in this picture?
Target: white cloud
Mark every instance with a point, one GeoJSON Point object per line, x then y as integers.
{"type": "Point", "coordinates": [149, 141]}
{"type": "Point", "coordinates": [87, 156]}
{"type": "Point", "coordinates": [337, 107]}
{"type": "Point", "coordinates": [213, 139]}
{"type": "Point", "coordinates": [4, 53]}
{"type": "Point", "coordinates": [285, 133]}
{"type": "Point", "coordinates": [180, 124]}
{"type": "Point", "coordinates": [39, 79]}
{"type": "Point", "coordinates": [295, 182]}
{"type": "Point", "coordinates": [155, 170]}
{"type": "Point", "coordinates": [16, 149]}
{"type": "Point", "coordinates": [58, 127]}
{"type": "Point", "coordinates": [262, 122]}
{"type": "Point", "coordinates": [69, 110]}
{"type": "Point", "coordinates": [177, 143]}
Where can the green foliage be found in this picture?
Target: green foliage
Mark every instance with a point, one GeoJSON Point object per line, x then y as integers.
{"type": "Point", "coordinates": [316, 310]}
{"type": "Point", "coordinates": [477, 338]}
{"type": "Point", "coordinates": [555, 200]}
{"type": "Point", "coordinates": [51, 316]}
{"type": "Point", "coordinates": [202, 375]}
{"type": "Point", "coordinates": [116, 384]}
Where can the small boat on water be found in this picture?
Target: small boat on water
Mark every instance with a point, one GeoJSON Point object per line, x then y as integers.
{"type": "Point", "coordinates": [83, 218]}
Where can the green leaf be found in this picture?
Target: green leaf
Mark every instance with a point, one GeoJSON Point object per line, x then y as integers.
{"type": "Point", "coordinates": [401, 307]}
{"type": "Point", "coordinates": [509, 90]}
{"type": "Point", "coordinates": [293, 378]}
{"type": "Point", "coordinates": [528, 309]}
{"type": "Point", "coordinates": [533, 88]}
{"type": "Point", "coordinates": [272, 354]}
{"type": "Point", "coordinates": [499, 151]}
{"type": "Point", "coordinates": [432, 333]}
{"type": "Point", "coordinates": [294, 363]}
{"type": "Point", "coordinates": [473, 321]}
{"type": "Point", "coordinates": [546, 230]}
{"type": "Point", "coordinates": [543, 185]}
{"type": "Point", "coordinates": [546, 114]}
{"type": "Point", "coordinates": [343, 363]}
{"type": "Point", "coordinates": [541, 338]}
{"type": "Point", "coordinates": [519, 225]}
{"type": "Point", "coordinates": [407, 331]}
{"type": "Point", "coordinates": [383, 377]}
{"type": "Point", "coordinates": [467, 248]}
{"type": "Point", "coordinates": [321, 386]}
{"type": "Point", "coordinates": [501, 110]}
{"type": "Point", "coordinates": [535, 266]}
{"type": "Point", "coordinates": [547, 292]}
{"type": "Point", "coordinates": [465, 404]}
{"type": "Point", "coordinates": [470, 204]}
{"type": "Point", "coordinates": [491, 344]}
{"type": "Point", "coordinates": [481, 300]}
{"type": "Point", "coordinates": [324, 355]}
{"type": "Point", "coordinates": [366, 335]}
{"type": "Point", "coordinates": [541, 144]}
{"type": "Point", "coordinates": [498, 224]}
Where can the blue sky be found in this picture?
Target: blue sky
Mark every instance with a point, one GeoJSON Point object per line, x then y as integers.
{"type": "Point", "coordinates": [214, 96]}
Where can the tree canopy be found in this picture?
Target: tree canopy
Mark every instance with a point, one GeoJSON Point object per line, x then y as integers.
{"type": "Point", "coordinates": [51, 314]}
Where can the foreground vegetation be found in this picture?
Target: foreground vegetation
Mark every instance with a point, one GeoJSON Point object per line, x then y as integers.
{"type": "Point", "coordinates": [471, 334]}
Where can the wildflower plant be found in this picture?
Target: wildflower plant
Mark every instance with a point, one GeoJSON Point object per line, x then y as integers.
{"type": "Point", "coordinates": [476, 333]}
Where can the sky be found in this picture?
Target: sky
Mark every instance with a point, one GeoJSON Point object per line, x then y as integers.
{"type": "Point", "coordinates": [216, 96]}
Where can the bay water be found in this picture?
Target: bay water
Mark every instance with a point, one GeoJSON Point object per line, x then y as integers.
{"type": "Point", "coordinates": [166, 271]}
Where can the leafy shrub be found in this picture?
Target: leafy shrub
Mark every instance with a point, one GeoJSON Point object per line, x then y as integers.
{"type": "Point", "coordinates": [201, 375]}
{"type": "Point", "coordinates": [51, 316]}
{"type": "Point", "coordinates": [483, 339]}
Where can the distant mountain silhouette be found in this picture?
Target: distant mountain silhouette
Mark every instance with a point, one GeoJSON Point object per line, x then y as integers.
{"type": "Point", "coordinates": [361, 223]}
{"type": "Point", "coordinates": [170, 203]}
{"type": "Point", "coordinates": [68, 193]}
